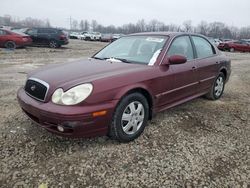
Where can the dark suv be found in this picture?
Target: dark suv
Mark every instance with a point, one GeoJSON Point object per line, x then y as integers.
{"type": "Point", "coordinates": [48, 36]}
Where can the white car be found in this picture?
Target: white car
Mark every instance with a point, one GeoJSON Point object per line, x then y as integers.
{"type": "Point", "coordinates": [74, 35]}
{"type": "Point", "coordinates": [94, 36]}
{"type": "Point", "coordinates": [82, 35]}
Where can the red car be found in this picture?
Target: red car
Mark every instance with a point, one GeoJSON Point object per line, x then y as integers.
{"type": "Point", "coordinates": [241, 46]}
{"type": "Point", "coordinates": [122, 86]}
{"type": "Point", "coordinates": [12, 40]}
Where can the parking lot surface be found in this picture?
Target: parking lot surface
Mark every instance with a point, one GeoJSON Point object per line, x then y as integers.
{"type": "Point", "coordinates": [201, 143]}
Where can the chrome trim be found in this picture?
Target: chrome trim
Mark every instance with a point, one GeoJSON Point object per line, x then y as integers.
{"type": "Point", "coordinates": [41, 82]}
{"type": "Point", "coordinates": [176, 89]}
{"type": "Point", "coordinates": [206, 79]}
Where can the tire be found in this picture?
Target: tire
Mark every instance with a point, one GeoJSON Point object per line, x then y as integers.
{"type": "Point", "coordinates": [53, 44]}
{"type": "Point", "coordinates": [217, 89]}
{"type": "Point", "coordinates": [231, 49]}
{"type": "Point", "coordinates": [10, 45]}
{"type": "Point", "coordinates": [130, 118]}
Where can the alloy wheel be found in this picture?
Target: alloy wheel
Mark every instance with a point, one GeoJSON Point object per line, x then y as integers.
{"type": "Point", "coordinates": [219, 86]}
{"type": "Point", "coordinates": [133, 117]}
{"type": "Point", "coordinates": [53, 44]}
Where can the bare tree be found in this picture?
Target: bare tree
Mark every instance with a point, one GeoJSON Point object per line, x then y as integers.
{"type": "Point", "coordinates": [188, 26]}
{"type": "Point", "coordinates": [152, 25]}
{"type": "Point", "coordinates": [47, 23]}
{"type": "Point", "coordinates": [203, 28]}
{"type": "Point", "coordinates": [74, 25]}
{"type": "Point", "coordinates": [94, 25]}
{"type": "Point", "coordinates": [244, 33]}
{"type": "Point", "coordinates": [86, 25]}
{"type": "Point", "coordinates": [81, 25]}
{"type": "Point", "coordinates": [141, 25]}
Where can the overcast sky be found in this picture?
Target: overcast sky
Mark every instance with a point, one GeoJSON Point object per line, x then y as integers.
{"type": "Point", "coordinates": [119, 12]}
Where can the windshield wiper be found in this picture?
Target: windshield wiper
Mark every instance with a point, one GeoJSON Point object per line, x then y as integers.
{"type": "Point", "coordinates": [98, 58]}
{"type": "Point", "coordinates": [120, 59]}
{"type": "Point", "coordinates": [113, 58]}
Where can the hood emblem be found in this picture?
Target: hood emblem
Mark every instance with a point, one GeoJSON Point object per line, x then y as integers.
{"type": "Point", "coordinates": [33, 88]}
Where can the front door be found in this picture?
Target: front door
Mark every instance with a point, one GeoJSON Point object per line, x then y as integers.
{"type": "Point", "coordinates": [33, 34]}
{"type": "Point", "coordinates": [185, 80]}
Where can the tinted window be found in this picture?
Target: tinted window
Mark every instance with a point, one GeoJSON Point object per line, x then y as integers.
{"type": "Point", "coordinates": [32, 32]}
{"type": "Point", "coordinates": [203, 47]}
{"type": "Point", "coordinates": [182, 46]}
{"type": "Point", "coordinates": [46, 31]}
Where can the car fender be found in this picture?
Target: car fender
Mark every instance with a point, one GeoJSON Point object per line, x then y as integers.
{"type": "Point", "coordinates": [126, 89]}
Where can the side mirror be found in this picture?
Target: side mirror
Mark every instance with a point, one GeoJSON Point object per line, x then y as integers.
{"type": "Point", "coordinates": [177, 59]}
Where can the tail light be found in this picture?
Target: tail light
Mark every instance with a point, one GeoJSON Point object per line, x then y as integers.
{"type": "Point", "coordinates": [63, 37]}
{"type": "Point", "coordinates": [25, 38]}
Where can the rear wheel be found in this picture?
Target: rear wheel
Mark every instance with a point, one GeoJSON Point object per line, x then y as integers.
{"type": "Point", "coordinates": [217, 89]}
{"type": "Point", "coordinates": [10, 45]}
{"type": "Point", "coordinates": [130, 118]}
{"type": "Point", "coordinates": [53, 44]}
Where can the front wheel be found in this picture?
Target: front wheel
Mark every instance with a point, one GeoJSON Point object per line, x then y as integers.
{"type": "Point", "coordinates": [130, 118]}
{"type": "Point", "coordinates": [217, 89]}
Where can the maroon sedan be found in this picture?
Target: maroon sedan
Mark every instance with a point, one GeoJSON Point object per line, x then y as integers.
{"type": "Point", "coordinates": [122, 86]}
{"type": "Point", "coordinates": [11, 40]}
{"type": "Point", "coordinates": [240, 46]}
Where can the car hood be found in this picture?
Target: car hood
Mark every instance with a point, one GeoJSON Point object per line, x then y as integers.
{"type": "Point", "coordinates": [84, 71]}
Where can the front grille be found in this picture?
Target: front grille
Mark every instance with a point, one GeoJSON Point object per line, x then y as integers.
{"type": "Point", "coordinates": [36, 88]}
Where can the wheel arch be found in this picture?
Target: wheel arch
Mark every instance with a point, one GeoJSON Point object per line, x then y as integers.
{"type": "Point", "coordinates": [224, 71]}
{"type": "Point", "coordinates": [142, 90]}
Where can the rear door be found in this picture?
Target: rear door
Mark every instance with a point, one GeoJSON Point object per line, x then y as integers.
{"type": "Point", "coordinates": [43, 35]}
{"type": "Point", "coordinates": [206, 64]}
{"type": "Point", "coordinates": [33, 34]}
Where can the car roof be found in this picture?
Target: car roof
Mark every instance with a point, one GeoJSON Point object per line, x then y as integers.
{"type": "Point", "coordinates": [171, 34]}
{"type": "Point", "coordinates": [45, 28]}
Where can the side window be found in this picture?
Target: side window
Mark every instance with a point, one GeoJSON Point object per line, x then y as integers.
{"type": "Point", "coordinates": [181, 46]}
{"type": "Point", "coordinates": [41, 31]}
{"type": "Point", "coordinates": [32, 32]}
{"type": "Point", "coordinates": [50, 31]}
{"type": "Point", "coordinates": [203, 47]}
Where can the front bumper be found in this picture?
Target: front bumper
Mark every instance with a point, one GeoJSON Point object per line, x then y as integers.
{"type": "Point", "coordinates": [77, 121]}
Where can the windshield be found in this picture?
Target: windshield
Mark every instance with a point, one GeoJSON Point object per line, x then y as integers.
{"type": "Point", "coordinates": [134, 49]}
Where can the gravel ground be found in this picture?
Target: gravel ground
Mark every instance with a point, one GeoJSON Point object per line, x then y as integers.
{"type": "Point", "coordinates": [201, 143]}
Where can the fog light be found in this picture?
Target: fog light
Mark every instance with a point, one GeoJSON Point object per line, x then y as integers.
{"type": "Point", "coordinates": [60, 128]}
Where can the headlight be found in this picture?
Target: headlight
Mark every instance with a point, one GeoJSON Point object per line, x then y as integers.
{"type": "Point", "coordinates": [73, 96]}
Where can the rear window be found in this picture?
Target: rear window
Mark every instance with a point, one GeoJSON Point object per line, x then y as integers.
{"type": "Point", "coordinates": [2, 32]}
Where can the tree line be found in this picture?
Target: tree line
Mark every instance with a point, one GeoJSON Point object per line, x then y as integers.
{"type": "Point", "coordinates": [212, 29]}
{"type": "Point", "coordinates": [22, 23]}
